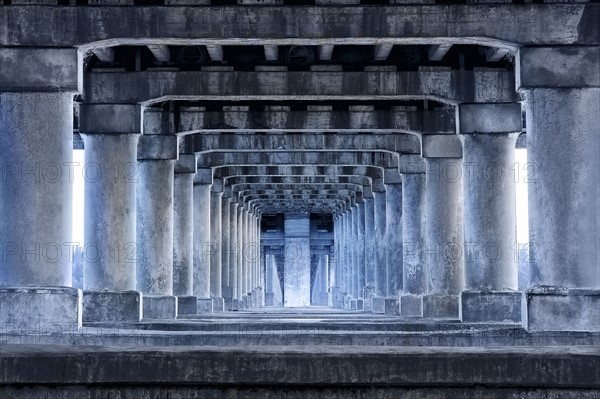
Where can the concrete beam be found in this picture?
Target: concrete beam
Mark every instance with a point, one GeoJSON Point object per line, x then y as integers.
{"type": "Point", "coordinates": [297, 180]}
{"type": "Point", "coordinates": [377, 159]}
{"type": "Point", "coordinates": [215, 52]}
{"type": "Point", "coordinates": [438, 51]}
{"type": "Point", "coordinates": [291, 187]}
{"type": "Point", "coordinates": [305, 171]}
{"type": "Point", "coordinates": [398, 24]}
{"type": "Point", "coordinates": [496, 54]}
{"type": "Point", "coordinates": [325, 52]}
{"type": "Point", "coordinates": [399, 143]}
{"type": "Point", "coordinates": [105, 54]}
{"type": "Point", "coordinates": [160, 52]}
{"type": "Point", "coordinates": [271, 53]}
{"type": "Point", "coordinates": [440, 84]}
{"type": "Point", "coordinates": [382, 51]}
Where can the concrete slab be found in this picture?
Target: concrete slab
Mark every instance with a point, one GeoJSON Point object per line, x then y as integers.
{"type": "Point", "coordinates": [108, 306]}
{"type": "Point", "coordinates": [159, 307]}
{"type": "Point", "coordinates": [21, 307]}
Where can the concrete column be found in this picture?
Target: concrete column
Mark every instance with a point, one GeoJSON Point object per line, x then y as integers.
{"type": "Point", "coordinates": [154, 233]}
{"type": "Point", "coordinates": [109, 267]}
{"type": "Point", "coordinates": [393, 238]}
{"type": "Point", "coordinates": [488, 133]}
{"type": "Point", "coordinates": [216, 293]}
{"type": "Point", "coordinates": [233, 252]}
{"type": "Point", "coordinates": [379, 199]}
{"type": "Point", "coordinates": [444, 226]}
{"type": "Point", "coordinates": [354, 289]}
{"type": "Point", "coordinates": [370, 260]}
{"type": "Point", "coordinates": [240, 254]}
{"type": "Point", "coordinates": [244, 262]}
{"type": "Point", "coordinates": [297, 260]}
{"type": "Point", "coordinates": [414, 281]}
{"type": "Point", "coordinates": [202, 248]}
{"type": "Point", "coordinates": [563, 171]}
{"type": "Point", "coordinates": [36, 147]}
{"type": "Point", "coordinates": [226, 283]}
{"type": "Point", "coordinates": [183, 234]}
{"type": "Point", "coordinates": [360, 222]}
{"type": "Point", "coordinates": [348, 252]}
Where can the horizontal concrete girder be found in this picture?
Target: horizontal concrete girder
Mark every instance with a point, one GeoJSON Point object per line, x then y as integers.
{"type": "Point", "coordinates": [440, 84]}
{"type": "Point", "coordinates": [377, 159]}
{"type": "Point", "coordinates": [491, 25]}
{"type": "Point", "coordinates": [303, 171]}
{"type": "Point", "coordinates": [398, 143]}
{"type": "Point", "coordinates": [296, 193]}
{"type": "Point", "coordinates": [281, 119]}
{"type": "Point", "coordinates": [291, 187]}
{"type": "Point", "coordinates": [297, 180]}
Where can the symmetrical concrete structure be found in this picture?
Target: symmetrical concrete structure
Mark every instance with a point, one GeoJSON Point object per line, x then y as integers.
{"type": "Point", "coordinates": [348, 155]}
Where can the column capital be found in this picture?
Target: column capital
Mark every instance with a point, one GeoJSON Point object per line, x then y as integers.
{"type": "Point", "coordinates": [203, 176]}
{"type": "Point", "coordinates": [110, 118]}
{"type": "Point", "coordinates": [157, 147]}
{"type": "Point", "coordinates": [158, 121]}
{"type": "Point", "coordinates": [227, 193]}
{"type": "Point", "coordinates": [377, 186]}
{"type": "Point", "coordinates": [557, 67]}
{"type": "Point", "coordinates": [40, 69]}
{"type": "Point", "coordinates": [367, 192]}
{"type": "Point", "coordinates": [186, 163]}
{"type": "Point", "coordinates": [392, 176]}
{"type": "Point", "coordinates": [489, 118]}
{"type": "Point", "coordinates": [217, 186]}
{"type": "Point", "coordinates": [411, 163]}
{"type": "Point", "coordinates": [441, 146]}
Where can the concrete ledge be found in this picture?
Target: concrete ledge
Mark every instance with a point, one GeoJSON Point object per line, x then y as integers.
{"type": "Point", "coordinates": [561, 309]}
{"type": "Point", "coordinates": [204, 305]}
{"type": "Point", "coordinates": [159, 307]}
{"type": "Point", "coordinates": [556, 367]}
{"type": "Point", "coordinates": [392, 306]}
{"type": "Point", "coordinates": [24, 307]}
{"type": "Point", "coordinates": [379, 305]}
{"type": "Point", "coordinates": [111, 306]}
{"type": "Point", "coordinates": [441, 306]}
{"type": "Point", "coordinates": [187, 305]}
{"type": "Point", "coordinates": [411, 306]}
{"type": "Point", "coordinates": [490, 307]}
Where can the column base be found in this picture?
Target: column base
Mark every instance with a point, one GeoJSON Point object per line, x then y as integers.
{"type": "Point", "coordinates": [23, 308]}
{"type": "Point", "coordinates": [379, 305]}
{"type": "Point", "coordinates": [411, 306]}
{"type": "Point", "coordinates": [218, 305]}
{"type": "Point", "coordinates": [159, 307]}
{"type": "Point", "coordinates": [440, 306]}
{"type": "Point", "coordinates": [204, 305]}
{"type": "Point", "coordinates": [347, 302]}
{"type": "Point", "coordinates": [269, 299]}
{"type": "Point", "coordinates": [368, 305]}
{"type": "Point", "coordinates": [561, 309]}
{"type": "Point", "coordinates": [112, 306]}
{"type": "Point", "coordinates": [352, 304]}
{"type": "Point", "coordinates": [247, 301]}
{"type": "Point", "coordinates": [360, 304]}
{"type": "Point", "coordinates": [392, 306]}
{"type": "Point", "coordinates": [491, 306]}
{"type": "Point", "coordinates": [186, 305]}
{"type": "Point", "coordinates": [235, 305]}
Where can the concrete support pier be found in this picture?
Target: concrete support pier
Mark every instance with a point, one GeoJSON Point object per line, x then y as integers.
{"type": "Point", "coordinates": [379, 198]}
{"type": "Point", "coordinates": [183, 233]}
{"type": "Point", "coordinates": [444, 226]}
{"type": "Point", "coordinates": [370, 243]}
{"type": "Point", "coordinates": [35, 211]}
{"type": "Point", "coordinates": [110, 135]}
{"type": "Point", "coordinates": [216, 292]}
{"type": "Point", "coordinates": [202, 183]}
{"type": "Point", "coordinates": [562, 145]}
{"type": "Point", "coordinates": [488, 133]}
{"type": "Point", "coordinates": [414, 281]}
{"type": "Point", "coordinates": [156, 158]}
{"type": "Point", "coordinates": [233, 253]}
{"type": "Point", "coordinates": [393, 239]}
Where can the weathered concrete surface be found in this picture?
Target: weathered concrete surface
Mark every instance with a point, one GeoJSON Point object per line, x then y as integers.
{"type": "Point", "coordinates": [393, 236]}
{"type": "Point", "coordinates": [297, 260]}
{"type": "Point", "coordinates": [440, 306]}
{"type": "Point", "coordinates": [186, 305]}
{"type": "Point", "coordinates": [204, 305]}
{"type": "Point", "coordinates": [392, 306]}
{"type": "Point", "coordinates": [323, 25]}
{"type": "Point", "coordinates": [201, 215]}
{"type": "Point", "coordinates": [30, 306]}
{"type": "Point", "coordinates": [112, 306]}
{"type": "Point", "coordinates": [183, 234]}
{"type": "Point", "coordinates": [411, 306]}
{"type": "Point", "coordinates": [159, 307]}
{"type": "Point", "coordinates": [491, 306]}
{"type": "Point", "coordinates": [216, 289]}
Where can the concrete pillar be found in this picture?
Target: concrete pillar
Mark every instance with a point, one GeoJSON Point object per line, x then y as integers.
{"type": "Point", "coordinates": [202, 248]}
{"type": "Point", "coordinates": [233, 252]}
{"type": "Point", "coordinates": [444, 226]}
{"type": "Point", "coordinates": [361, 259]}
{"type": "Point", "coordinates": [36, 149]}
{"type": "Point", "coordinates": [562, 119]}
{"type": "Point", "coordinates": [226, 283]}
{"type": "Point", "coordinates": [393, 238]}
{"type": "Point", "coordinates": [240, 254]}
{"type": "Point", "coordinates": [216, 292]}
{"type": "Point", "coordinates": [354, 251]}
{"type": "Point", "coordinates": [154, 233]}
{"type": "Point", "coordinates": [110, 135]}
{"type": "Point", "coordinates": [297, 260]}
{"type": "Point", "coordinates": [348, 257]}
{"type": "Point", "coordinates": [414, 281]}
{"type": "Point", "coordinates": [183, 234]}
{"type": "Point", "coordinates": [370, 242]}
{"type": "Point", "coordinates": [379, 199]}
{"type": "Point", "coordinates": [244, 261]}
{"type": "Point", "coordinates": [488, 133]}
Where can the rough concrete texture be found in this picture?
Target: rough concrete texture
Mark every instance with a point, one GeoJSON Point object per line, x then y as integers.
{"type": "Point", "coordinates": [411, 306]}
{"type": "Point", "coordinates": [392, 306]}
{"type": "Point", "coordinates": [183, 234]}
{"type": "Point", "coordinates": [561, 309]}
{"type": "Point", "coordinates": [441, 306]}
{"type": "Point", "coordinates": [204, 305]}
{"type": "Point", "coordinates": [379, 305]}
{"type": "Point", "coordinates": [218, 305]}
{"type": "Point", "coordinates": [159, 307]}
{"type": "Point", "coordinates": [187, 305]}
{"type": "Point", "coordinates": [105, 306]}
{"type": "Point", "coordinates": [201, 215]}
{"type": "Point", "coordinates": [30, 306]}
{"type": "Point", "coordinates": [488, 307]}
